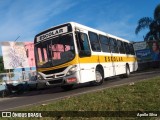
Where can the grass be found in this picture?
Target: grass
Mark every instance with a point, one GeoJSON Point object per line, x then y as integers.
{"type": "Point", "coordinates": [140, 96]}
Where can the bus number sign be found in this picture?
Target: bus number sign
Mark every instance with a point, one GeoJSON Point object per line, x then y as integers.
{"type": "Point", "coordinates": [52, 33]}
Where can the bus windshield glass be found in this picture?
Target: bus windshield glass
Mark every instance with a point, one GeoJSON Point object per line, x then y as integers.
{"type": "Point", "coordinates": [55, 51]}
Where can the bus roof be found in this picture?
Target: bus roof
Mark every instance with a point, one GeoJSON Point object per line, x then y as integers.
{"type": "Point", "coordinates": [80, 26]}
{"type": "Point", "coordinates": [96, 31]}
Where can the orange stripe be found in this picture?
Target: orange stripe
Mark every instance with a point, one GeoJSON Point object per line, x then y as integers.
{"type": "Point", "coordinates": [91, 59]}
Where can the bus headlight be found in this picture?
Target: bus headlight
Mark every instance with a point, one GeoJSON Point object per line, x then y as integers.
{"type": "Point", "coordinates": [39, 77]}
{"type": "Point", "coordinates": [72, 70]}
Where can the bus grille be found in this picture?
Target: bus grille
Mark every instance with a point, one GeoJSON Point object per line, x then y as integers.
{"type": "Point", "coordinates": [54, 71]}
{"type": "Point", "coordinates": [56, 81]}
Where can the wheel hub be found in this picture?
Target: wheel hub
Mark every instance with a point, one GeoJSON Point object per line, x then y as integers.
{"type": "Point", "coordinates": [98, 76]}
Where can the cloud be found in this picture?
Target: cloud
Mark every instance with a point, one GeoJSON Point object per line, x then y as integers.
{"type": "Point", "coordinates": [18, 18]}
{"type": "Point", "coordinates": [121, 28]}
{"type": "Point", "coordinates": [111, 17]}
{"type": "Point", "coordinates": [26, 20]}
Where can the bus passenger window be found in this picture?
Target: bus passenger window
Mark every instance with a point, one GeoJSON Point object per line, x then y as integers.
{"type": "Point", "coordinates": [94, 42]}
{"type": "Point", "coordinates": [131, 49]}
{"type": "Point", "coordinates": [83, 42]}
{"type": "Point", "coordinates": [127, 49]}
{"type": "Point", "coordinates": [113, 45]}
{"type": "Point", "coordinates": [104, 41]}
{"type": "Point", "coordinates": [121, 46]}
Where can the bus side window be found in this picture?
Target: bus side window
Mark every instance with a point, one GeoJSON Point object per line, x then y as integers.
{"type": "Point", "coordinates": [113, 45]}
{"type": "Point", "coordinates": [121, 47]}
{"type": "Point", "coordinates": [104, 41]}
{"type": "Point", "coordinates": [131, 49]}
{"type": "Point", "coordinates": [116, 46]}
{"type": "Point", "coordinates": [82, 42]}
{"type": "Point", "coordinates": [127, 49]}
{"type": "Point", "coordinates": [95, 45]}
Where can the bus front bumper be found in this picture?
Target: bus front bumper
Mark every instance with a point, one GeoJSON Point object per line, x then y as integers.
{"type": "Point", "coordinates": [72, 79]}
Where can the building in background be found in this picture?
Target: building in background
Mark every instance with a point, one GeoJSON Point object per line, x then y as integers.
{"type": "Point", "coordinates": [155, 50]}
{"type": "Point", "coordinates": [142, 51]}
{"type": "Point", "coordinates": [147, 51]}
{"type": "Point", "coordinates": [148, 54]}
{"type": "Point", "coordinates": [29, 47]}
{"type": "Point", "coordinates": [18, 54]}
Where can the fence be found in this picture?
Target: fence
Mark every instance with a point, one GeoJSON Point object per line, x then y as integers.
{"type": "Point", "coordinates": [15, 78]}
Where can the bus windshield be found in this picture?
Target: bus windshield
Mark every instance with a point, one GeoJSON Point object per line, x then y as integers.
{"type": "Point", "coordinates": [55, 51]}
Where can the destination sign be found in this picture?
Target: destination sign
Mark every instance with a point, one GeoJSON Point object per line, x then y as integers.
{"type": "Point", "coordinates": [52, 33]}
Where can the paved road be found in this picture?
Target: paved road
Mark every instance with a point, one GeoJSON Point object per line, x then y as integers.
{"type": "Point", "coordinates": [50, 94]}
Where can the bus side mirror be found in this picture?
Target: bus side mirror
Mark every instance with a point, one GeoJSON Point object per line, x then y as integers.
{"type": "Point", "coordinates": [84, 53]}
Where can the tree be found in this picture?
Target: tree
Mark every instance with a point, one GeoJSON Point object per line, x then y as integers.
{"type": "Point", "coordinates": [153, 24]}
{"type": "Point", "coordinates": [2, 70]}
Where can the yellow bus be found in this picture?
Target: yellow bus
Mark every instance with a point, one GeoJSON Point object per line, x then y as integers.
{"type": "Point", "coordinates": [72, 53]}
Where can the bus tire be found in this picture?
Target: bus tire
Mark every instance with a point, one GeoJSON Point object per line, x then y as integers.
{"type": "Point", "coordinates": [127, 74]}
{"type": "Point", "coordinates": [67, 87]}
{"type": "Point", "coordinates": [99, 77]}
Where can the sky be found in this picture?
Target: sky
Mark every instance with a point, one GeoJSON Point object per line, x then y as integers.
{"type": "Point", "coordinates": [26, 18]}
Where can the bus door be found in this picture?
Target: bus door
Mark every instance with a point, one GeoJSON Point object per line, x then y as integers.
{"type": "Point", "coordinates": [114, 50]}
{"type": "Point", "coordinates": [105, 46]}
{"type": "Point", "coordinates": [87, 70]}
{"type": "Point", "coordinates": [112, 66]}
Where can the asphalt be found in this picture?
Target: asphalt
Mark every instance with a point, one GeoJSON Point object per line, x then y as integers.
{"type": "Point", "coordinates": [55, 93]}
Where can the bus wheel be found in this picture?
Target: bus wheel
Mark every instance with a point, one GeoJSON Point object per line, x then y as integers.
{"type": "Point", "coordinates": [99, 77]}
{"type": "Point", "coordinates": [127, 74]}
{"type": "Point", "coordinates": [67, 87]}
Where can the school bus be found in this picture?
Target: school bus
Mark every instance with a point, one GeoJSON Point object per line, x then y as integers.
{"type": "Point", "coordinates": [72, 53]}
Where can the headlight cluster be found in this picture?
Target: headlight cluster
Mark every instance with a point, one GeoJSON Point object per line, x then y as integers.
{"type": "Point", "coordinates": [72, 70]}
{"type": "Point", "coordinates": [39, 77]}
